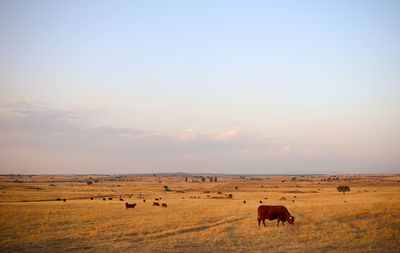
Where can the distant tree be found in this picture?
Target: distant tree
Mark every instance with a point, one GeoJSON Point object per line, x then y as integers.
{"type": "Point", "coordinates": [203, 179]}
{"type": "Point", "coordinates": [185, 179]}
{"type": "Point", "coordinates": [215, 179]}
{"type": "Point", "coordinates": [294, 178]}
{"type": "Point", "coordinates": [211, 179]}
{"type": "Point", "coordinates": [343, 188]}
{"type": "Point", "coordinates": [89, 182]}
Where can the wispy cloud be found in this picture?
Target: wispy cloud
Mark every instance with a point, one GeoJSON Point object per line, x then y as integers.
{"type": "Point", "coordinates": [187, 135]}
{"type": "Point", "coordinates": [306, 153]}
{"type": "Point", "coordinates": [226, 135]}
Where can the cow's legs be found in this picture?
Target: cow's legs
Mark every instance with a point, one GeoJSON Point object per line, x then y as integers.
{"type": "Point", "coordinates": [263, 222]}
{"type": "Point", "coordinates": [278, 222]}
{"type": "Point", "coordinates": [259, 221]}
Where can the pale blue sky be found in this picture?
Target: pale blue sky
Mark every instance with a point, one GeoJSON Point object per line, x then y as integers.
{"type": "Point", "coordinates": [206, 86]}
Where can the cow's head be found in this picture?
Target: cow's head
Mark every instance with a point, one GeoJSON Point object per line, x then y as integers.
{"type": "Point", "coordinates": [291, 220]}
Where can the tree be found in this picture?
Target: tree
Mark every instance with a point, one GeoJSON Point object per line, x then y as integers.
{"type": "Point", "coordinates": [185, 179]}
{"type": "Point", "coordinates": [203, 179]}
{"type": "Point", "coordinates": [343, 188]}
{"type": "Point", "coordinates": [89, 182]}
{"type": "Point", "coordinates": [215, 179]}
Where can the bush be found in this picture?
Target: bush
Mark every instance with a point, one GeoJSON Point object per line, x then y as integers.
{"type": "Point", "coordinates": [89, 182]}
{"type": "Point", "coordinates": [230, 196]}
{"type": "Point", "coordinates": [343, 188]}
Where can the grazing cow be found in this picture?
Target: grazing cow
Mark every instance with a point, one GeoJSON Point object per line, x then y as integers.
{"type": "Point", "coordinates": [260, 201]}
{"type": "Point", "coordinates": [91, 198]}
{"type": "Point", "coordinates": [121, 199]}
{"type": "Point", "coordinates": [274, 212]}
{"type": "Point", "coordinates": [160, 198]}
{"type": "Point", "coordinates": [58, 199]}
{"type": "Point", "coordinates": [109, 198]}
{"type": "Point", "coordinates": [293, 200]}
{"type": "Point", "coordinates": [130, 205]}
{"type": "Point", "coordinates": [156, 199]}
{"type": "Point", "coordinates": [144, 201]}
{"type": "Point", "coordinates": [156, 204]}
{"type": "Point", "coordinates": [244, 201]}
{"type": "Point", "coordinates": [104, 198]}
{"type": "Point", "coordinates": [164, 205]}
{"type": "Point", "coordinates": [64, 200]}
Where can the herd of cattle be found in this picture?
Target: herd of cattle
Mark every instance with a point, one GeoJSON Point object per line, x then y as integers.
{"type": "Point", "coordinates": [264, 212]}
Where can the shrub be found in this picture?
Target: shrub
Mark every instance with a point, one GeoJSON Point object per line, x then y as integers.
{"type": "Point", "coordinates": [89, 182]}
{"type": "Point", "coordinates": [343, 188]}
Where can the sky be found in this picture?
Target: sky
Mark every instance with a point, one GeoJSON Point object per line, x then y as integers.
{"type": "Point", "coordinates": [256, 87]}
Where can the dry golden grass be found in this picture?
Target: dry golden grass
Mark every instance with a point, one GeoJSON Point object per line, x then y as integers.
{"type": "Point", "coordinates": [367, 219]}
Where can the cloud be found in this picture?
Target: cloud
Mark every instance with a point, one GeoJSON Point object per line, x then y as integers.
{"type": "Point", "coordinates": [306, 153]}
{"type": "Point", "coordinates": [226, 135]}
{"type": "Point", "coordinates": [268, 153]}
{"type": "Point", "coordinates": [286, 149]}
{"type": "Point", "coordinates": [247, 153]}
{"type": "Point", "coordinates": [187, 135]}
{"type": "Point", "coordinates": [97, 109]}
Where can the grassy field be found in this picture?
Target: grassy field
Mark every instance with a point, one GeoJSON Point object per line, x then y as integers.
{"type": "Point", "coordinates": [200, 217]}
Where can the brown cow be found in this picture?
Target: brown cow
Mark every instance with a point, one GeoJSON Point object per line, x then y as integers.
{"type": "Point", "coordinates": [244, 201]}
{"type": "Point", "coordinates": [164, 205]}
{"type": "Point", "coordinates": [156, 199]}
{"type": "Point", "coordinates": [91, 198]}
{"type": "Point", "coordinates": [130, 205]}
{"type": "Point", "coordinates": [261, 201]}
{"type": "Point", "coordinates": [156, 204]}
{"type": "Point", "coordinates": [144, 201]}
{"type": "Point", "coordinates": [274, 212]}
{"type": "Point", "coordinates": [109, 198]}
{"type": "Point", "coordinates": [64, 200]}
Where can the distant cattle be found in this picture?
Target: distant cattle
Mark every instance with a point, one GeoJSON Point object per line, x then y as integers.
{"type": "Point", "coordinates": [91, 198]}
{"type": "Point", "coordinates": [109, 198]}
{"type": "Point", "coordinates": [156, 199]}
{"type": "Point", "coordinates": [160, 198]}
{"type": "Point", "coordinates": [121, 199]}
{"type": "Point", "coordinates": [244, 201]}
{"type": "Point", "coordinates": [293, 200]}
{"type": "Point", "coordinates": [156, 204]}
{"type": "Point", "coordinates": [104, 198]}
{"type": "Point", "coordinates": [261, 201]}
{"type": "Point", "coordinates": [274, 212]}
{"type": "Point", "coordinates": [130, 205]}
{"type": "Point", "coordinates": [144, 201]}
{"type": "Point", "coordinates": [58, 199]}
{"type": "Point", "coordinates": [64, 200]}
{"type": "Point", "coordinates": [164, 205]}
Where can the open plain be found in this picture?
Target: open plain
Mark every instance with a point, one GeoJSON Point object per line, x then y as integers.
{"type": "Point", "coordinates": [200, 216]}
